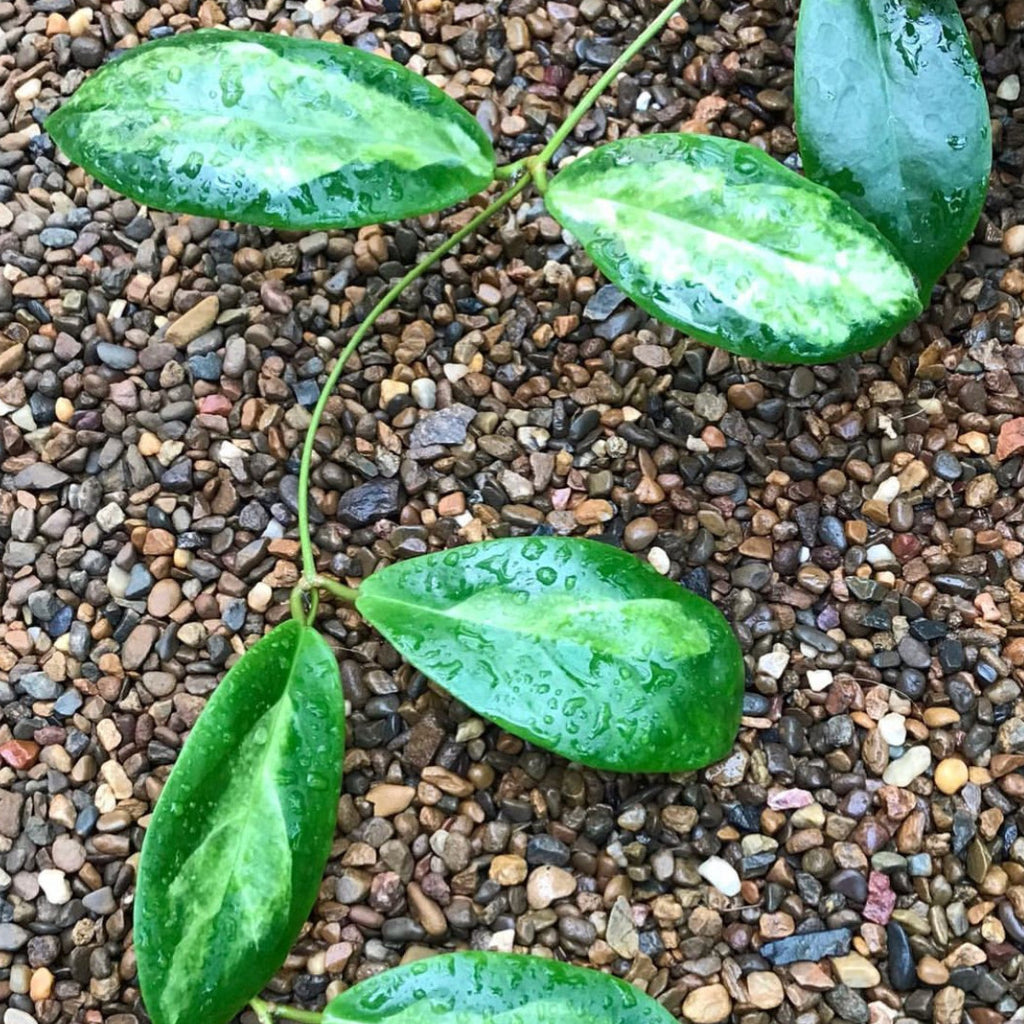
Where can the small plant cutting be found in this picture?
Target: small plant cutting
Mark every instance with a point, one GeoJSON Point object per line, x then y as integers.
{"type": "Point", "coordinates": [571, 644]}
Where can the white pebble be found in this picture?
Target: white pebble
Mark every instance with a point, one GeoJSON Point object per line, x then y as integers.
{"type": "Point", "coordinates": [110, 517]}
{"type": "Point", "coordinates": [901, 772]}
{"type": "Point", "coordinates": [424, 392]}
{"type": "Point", "coordinates": [503, 941]}
{"type": "Point", "coordinates": [887, 489]}
{"type": "Point", "coordinates": [880, 554]}
{"type": "Point", "coordinates": [28, 90]}
{"type": "Point", "coordinates": [228, 453]}
{"type": "Point", "coordinates": [659, 560]}
{"type": "Point", "coordinates": [1009, 88]}
{"type": "Point", "coordinates": [893, 729]}
{"type": "Point", "coordinates": [13, 1016]}
{"type": "Point", "coordinates": [721, 874]}
{"type": "Point", "coordinates": [22, 418]}
{"type": "Point", "coordinates": [55, 886]}
{"type": "Point", "coordinates": [819, 679]}
{"type": "Point", "coordinates": [773, 663]}
{"type": "Point", "coordinates": [117, 581]}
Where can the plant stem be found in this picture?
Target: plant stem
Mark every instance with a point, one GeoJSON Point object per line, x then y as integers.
{"type": "Point", "coordinates": [594, 92]}
{"type": "Point", "coordinates": [265, 1012]}
{"type": "Point", "coordinates": [537, 166]}
{"type": "Point", "coordinates": [336, 589]}
{"type": "Point", "coordinates": [506, 172]}
{"type": "Point", "coordinates": [305, 538]}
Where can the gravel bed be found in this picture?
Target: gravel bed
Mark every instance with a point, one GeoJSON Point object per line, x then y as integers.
{"type": "Point", "coordinates": [857, 858]}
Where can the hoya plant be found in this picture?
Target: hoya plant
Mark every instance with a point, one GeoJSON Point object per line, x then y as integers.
{"type": "Point", "coordinates": [571, 644]}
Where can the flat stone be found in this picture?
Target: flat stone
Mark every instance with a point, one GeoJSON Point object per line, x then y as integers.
{"type": "Point", "coordinates": [548, 884]}
{"type": "Point", "coordinates": [902, 972]}
{"type": "Point", "coordinates": [40, 476]}
{"type": "Point", "coordinates": [163, 598]}
{"type": "Point", "coordinates": [444, 426]}
{"type": "Point", "coordinates": [856, 971]}
{"type": "Point", "coordinates": [621, 933]}
{"type": "Point", "coordinates": [138, 645]}
{"type": "Point", "coordinates": [707, 1005]}
{"type": "Point", "coordinates": [388, 800]}
{"type": "Point", "coordinates": [365, 504]}
{"type": "Point", "coordinates": [101, 901]}
{"type": "Point", "coordinates": [808, 946]}
{"type": "Point", "coordinates": [140, 582]}
{"type": "Point", "coordinates": [39, 686]}
{"type": "Point", "coordinates": [764, 990]}
{"type": "Point", "coordinates": [12, 937]}
{"type": "Point", "coordinates": [198, 320]}
{"type": "Point", "coordinates": [905, 769]}
{"type": "Point", "coordinates": [10, 813]}
{"type": "Point", "coordinates": [57, 238]}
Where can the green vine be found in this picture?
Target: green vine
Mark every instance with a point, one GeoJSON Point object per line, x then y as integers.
{"type": "Point", "coordinates": [522, 173]}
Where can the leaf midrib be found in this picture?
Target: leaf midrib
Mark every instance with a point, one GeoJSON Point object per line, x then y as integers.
{"type": "Point", "coordinates": [740, 244]}
{"type": "Point", "coordinates": [514, 629]}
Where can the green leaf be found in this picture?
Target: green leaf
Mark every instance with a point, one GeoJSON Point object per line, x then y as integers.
{"type": "Point", "coordinates": [891, 115]}
{"type": "Point", "coordinates": [574, 645]}
{"type": "Point", "coordinates": [232, 859]}
{"type": "Point", "coordinates": [270, 130]}
{"type": "Point", "coordinates": [493, 988]}
{"type": "Point", "coordinates": [715, 237]}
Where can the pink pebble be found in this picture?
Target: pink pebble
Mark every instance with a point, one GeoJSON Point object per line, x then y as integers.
{"type": "Point", "coordinates": [790, 799]}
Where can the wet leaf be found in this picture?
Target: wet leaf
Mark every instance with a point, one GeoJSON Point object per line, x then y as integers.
{"type": "Point", "coordinates": [232, 860]}
{"type": "Point", "coordinates": [891, 115]}
{"type": "Point", "coordinates": [715, 237]}
{"type": "Point", "coordinates": [574, 645]}
{"type": "Point", "coordinates": [493, 988]}
{"type": "Point", "coordinates": [270, 130]}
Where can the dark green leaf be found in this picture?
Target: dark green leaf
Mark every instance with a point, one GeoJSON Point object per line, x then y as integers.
{"type": "Point", "coordinates": [891, 115]}
{"type": "Point", "coordinates": [493, 988]}
{"type": "Point", "coordinates": [233, 857]}
{"type": "Point", "coordinates": [574, 645]}
{"type": "Point", "coordinates": [271, 130]}
{"type": "Point", "coordinates": [715, 237]}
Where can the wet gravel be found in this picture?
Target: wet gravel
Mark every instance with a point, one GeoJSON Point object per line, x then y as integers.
{"type": "Point", "coordinates": [857, 858]}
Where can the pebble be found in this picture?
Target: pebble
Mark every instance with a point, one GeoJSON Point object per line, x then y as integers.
{"type": "Point", "coordinates": [808, 946]}
{"type": "Point", "coordinates": [547, 884]}
{"type": "Point", "coordinates": [197, 321]}
{"type": "Point", "coordinates": [774, 663]}
{"type": "Point", "coordinates": [951, 775]}
{"type": "Point", "coordinates": [901, 772]}
{"type": "Point", "coordinates": [721, 874]}
{"type": "Point", "coordinates": [389, 800]}
{"type": "Point", "coordinates": [708, 1004]}
{"type": "Point", "coordinates": [508, 869]}
{"type": "Point", "coordinates": [369, 502]}
{"type": "Point", "coordinates": [854, 971]}
{"type": "Point", "coordinates": [893, 728]}
{"type": "Point", "coordinates": [55, 886]}
{"type": "Point", "coordinates": [12, 937]}
{"type": "Point", "coordinates": [764, 990]}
